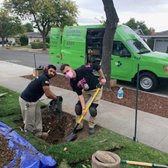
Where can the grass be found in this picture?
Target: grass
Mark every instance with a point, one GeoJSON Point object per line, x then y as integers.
{"type": "Point", "coordinates": [78, 153]}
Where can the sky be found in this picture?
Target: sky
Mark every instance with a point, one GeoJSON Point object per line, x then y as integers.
{"type": "Point", "coordinates": [153, 13]}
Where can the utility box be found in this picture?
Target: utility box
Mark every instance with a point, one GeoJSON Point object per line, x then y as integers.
{"type": "Point", "coordinates": [37, 71]}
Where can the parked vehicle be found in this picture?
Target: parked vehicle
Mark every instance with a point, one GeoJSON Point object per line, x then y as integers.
{"type": "Point", "coordinates": [77, 45]}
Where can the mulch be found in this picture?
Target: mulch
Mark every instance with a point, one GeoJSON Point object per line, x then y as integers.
{"type": "Point", "coordinates": [147, 102]}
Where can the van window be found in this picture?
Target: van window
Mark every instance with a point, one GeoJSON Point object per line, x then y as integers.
{"type": "Point", "coordinates": [119, 49]}
{"type": "Point", "coordinates": [139, 46]}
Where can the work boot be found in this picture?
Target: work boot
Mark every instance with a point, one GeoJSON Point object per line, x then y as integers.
{"type": "Point", "coordinates": [91, 131]}
{"type": "Point", "coordinates": [92, 125]}
{"type": "Point", "coordinates": [80, 126]}
{"type": "Point", "coordinates": [42, 135]}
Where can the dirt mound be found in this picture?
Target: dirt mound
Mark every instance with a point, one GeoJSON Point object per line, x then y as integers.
{"type": "Point", "coordinates": [59, 126]}
{"type": "Point", "coordinates": [6, 154]}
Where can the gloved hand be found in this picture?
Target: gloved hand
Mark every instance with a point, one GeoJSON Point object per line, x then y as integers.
{"type": "Point", "coordinates": [59, 98]}
{"type": "Point", "coordinates": [55, 104]}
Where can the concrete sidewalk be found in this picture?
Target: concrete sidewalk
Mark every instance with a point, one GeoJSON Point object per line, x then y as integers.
{"type": "Point", "coordinates": [152, 130]}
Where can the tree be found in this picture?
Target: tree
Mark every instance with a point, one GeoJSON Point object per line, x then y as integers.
{"type": "Point", "coordinates": [110, 27]}
{"type": "Point", "coordinates": [139, 25]}
{"type": "Point", "coordinates": [9, 26]}
{"type": "Point", "coordinates": [45, 13]}
{"type": "Point", "coordinates": [28, 27]}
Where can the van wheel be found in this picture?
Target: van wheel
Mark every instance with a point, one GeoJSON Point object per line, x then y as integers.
{"type": "Point", "coordinates": [148, 82]}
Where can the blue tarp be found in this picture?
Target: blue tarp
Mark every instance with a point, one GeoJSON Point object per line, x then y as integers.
{"type": "Point", "coordinates": [28, 155]}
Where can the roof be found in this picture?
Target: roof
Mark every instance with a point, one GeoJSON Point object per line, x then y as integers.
{"type": "Point", "coordinates": [163, 34]}
{"type": "Point", "coordinates": [33, 35]}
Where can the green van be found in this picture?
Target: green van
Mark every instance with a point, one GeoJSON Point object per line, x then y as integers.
{"type": "Point", "coordinates": [77, 45]}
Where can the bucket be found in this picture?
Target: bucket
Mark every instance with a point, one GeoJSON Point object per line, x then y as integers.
{"type": "Point", "coordinates": [105, 159]}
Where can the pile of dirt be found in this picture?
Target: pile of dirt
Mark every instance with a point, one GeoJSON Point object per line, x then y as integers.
{"type": "Point", "coordinates": [6, 154]}
{"type": "Point", "coordinates": [147, 102]}
{"type": "Point", "coordinates": [60, 126]}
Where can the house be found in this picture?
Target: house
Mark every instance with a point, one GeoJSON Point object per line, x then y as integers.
{"type": "Point", "coordinates": [160, 41]}
{"type": "Point", "coordinates": [33, 37]}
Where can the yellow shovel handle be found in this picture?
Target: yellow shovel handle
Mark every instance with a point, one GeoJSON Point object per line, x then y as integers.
{"type": "Point", "coordinates": [88, 105]}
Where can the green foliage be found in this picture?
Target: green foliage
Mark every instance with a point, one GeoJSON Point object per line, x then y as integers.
{"type": "Point", "coordinates": [8, 103]}
{"type": "Point", "coordinates": [138, 25]}
{"type": "Point", "coordinates": [38, 45]}
{"type": "Point", "coordinates": [9, 26]}
{"type": "Point", "coordinates": [45, 14]}
{"type": "Point", "coordinates": [28, 27]}
{"type": "Point", "coordinates": [78, 153]}
{"type": "Point", "coordinates": [24, 40]}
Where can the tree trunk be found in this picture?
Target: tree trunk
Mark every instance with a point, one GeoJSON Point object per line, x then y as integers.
{"type": "Point", "coordinates": [110, 27]}
{"type": "Point", "coordinates": [44, 42]}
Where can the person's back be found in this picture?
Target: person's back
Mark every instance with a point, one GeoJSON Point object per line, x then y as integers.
{"type": "Point", "coordinates": [85, 79]}
{"type": "Point", "coordinates": [34, 91]}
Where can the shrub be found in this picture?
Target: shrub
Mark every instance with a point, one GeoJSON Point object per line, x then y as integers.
{"type": "Point", "coordinates": [36, 45]}
{"type": "Point", "coordinates": [23, 40]}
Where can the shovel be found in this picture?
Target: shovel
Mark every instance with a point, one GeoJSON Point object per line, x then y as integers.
{"type": "Point", "coordinates": [143, 164]}
{"type": "Point", "coordinates": [72, 136]}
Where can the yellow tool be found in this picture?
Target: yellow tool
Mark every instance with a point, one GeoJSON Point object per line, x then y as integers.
{"type": "Point", "coordinates": [73, 135]}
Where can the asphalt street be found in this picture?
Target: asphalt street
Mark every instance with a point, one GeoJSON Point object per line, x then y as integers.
{"type": "Point", "coordinates": [24, 57]}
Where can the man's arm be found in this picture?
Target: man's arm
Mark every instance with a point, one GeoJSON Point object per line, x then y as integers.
{"type": "Point", "coordinates": [49, 93]}
{"type": "Point", "coordinates": [82, 101]}
{"type": "Point", "coordinates": [101, 76]}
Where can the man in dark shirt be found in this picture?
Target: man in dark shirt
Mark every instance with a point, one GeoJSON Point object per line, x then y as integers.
{"type": "Point", "coordinates": [84, 82]}
{"type": "Point", "coordinates": [29, 101]}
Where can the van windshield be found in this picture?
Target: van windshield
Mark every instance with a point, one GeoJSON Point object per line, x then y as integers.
{"type": "Point", "coordinates": [139, 46]}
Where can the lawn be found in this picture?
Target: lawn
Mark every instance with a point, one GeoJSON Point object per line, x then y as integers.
{"type": "Point", "coordinates": [78, 153]}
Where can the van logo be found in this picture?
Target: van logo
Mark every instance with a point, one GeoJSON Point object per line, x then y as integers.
{"type": "Point", "coordinates": [73, 32]}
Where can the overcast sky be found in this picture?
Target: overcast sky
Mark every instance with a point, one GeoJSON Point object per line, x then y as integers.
{"type": "Point", "coordinates": [153, 12]}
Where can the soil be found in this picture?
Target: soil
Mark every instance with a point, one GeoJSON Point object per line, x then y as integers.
{"type": "Point", "coordinates": [6, 154]}
{"type": "Point", "coordinates": [60, 125]}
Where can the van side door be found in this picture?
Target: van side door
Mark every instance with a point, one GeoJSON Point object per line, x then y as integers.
{"type": "Point", "coordinates": [55, 46]}
{"type": "Point", "coordinates": [122, 63]}
{"type": "Point", "coordinates": [74, 46]}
